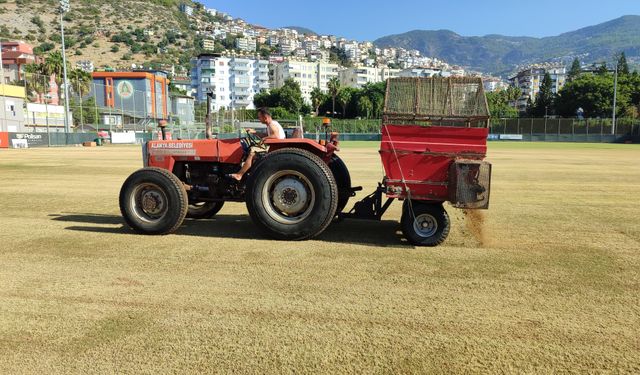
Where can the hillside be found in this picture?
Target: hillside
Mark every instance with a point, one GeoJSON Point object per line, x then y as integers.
{"type": "Point", "coordinates": [499, 54]}
{"type": "Point", "coordinates": [110, 32]}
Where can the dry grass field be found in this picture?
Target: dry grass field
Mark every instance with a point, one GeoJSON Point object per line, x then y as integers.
{"type": "Point", "coordinates": [552, 284]}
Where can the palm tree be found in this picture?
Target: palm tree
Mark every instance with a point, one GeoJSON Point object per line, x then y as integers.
{"type": "Point", "coordinates": [334, 89]}
{"type": "Point", "coordinates": [80, 82]}
{"type": "Point", "coordinates": [317, 98]}
{"type": "Point", "coordinates": [54, 64]}
{"type": "Point", "coordinates": [344, 97]}
{"type": "Point", "coordinates": [36, 81]}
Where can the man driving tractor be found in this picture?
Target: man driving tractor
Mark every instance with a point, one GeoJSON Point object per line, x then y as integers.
{"type": "Point", "coordinates": [274, 131]}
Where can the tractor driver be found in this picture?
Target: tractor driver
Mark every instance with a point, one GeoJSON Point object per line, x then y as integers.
{"type": "Point", "coordinates": [274, 131]}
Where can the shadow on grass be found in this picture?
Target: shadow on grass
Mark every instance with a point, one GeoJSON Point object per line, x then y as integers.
{"type": "Point", "coordinates": [372, 233]}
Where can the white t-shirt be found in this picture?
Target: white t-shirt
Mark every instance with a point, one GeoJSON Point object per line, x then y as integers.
{"type": "Point", "coordinates": [277, 125]}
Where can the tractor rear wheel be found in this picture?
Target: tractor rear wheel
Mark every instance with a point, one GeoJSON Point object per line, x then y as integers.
{"type": "Point", "coordinates": [204, 210]}
{"type": "Point", "coordinates": [153, 201]}
{"type": "Point", "coordinates": [425, 224]}
{"type": "Point", "coordinates": [343, 180]}
{"type": "Point", "coordinates": [292, 195]}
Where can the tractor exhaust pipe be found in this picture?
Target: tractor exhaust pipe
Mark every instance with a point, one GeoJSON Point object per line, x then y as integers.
{"type": "Point", "coordinates": [207, 120]}
{"type": "Point", "coordinates": [162, 125]}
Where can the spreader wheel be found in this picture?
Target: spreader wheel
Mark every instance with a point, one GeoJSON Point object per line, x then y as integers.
{"type": "Point", "coordinates": [204, 210]}
{"type": "Point", "coordinates": [425, 224]}
{"type": "Point", "coordinates": [292, 195]}
{"type": "Point", "coordinates": [153, 201]}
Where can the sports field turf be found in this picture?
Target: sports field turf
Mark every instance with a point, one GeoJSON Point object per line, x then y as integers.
{"type": "Point", "coordinates": [551, 284]}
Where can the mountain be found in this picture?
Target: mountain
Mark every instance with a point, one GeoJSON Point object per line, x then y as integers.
{"type": "Point", "coordinates": [498, 54]}
{"type": "Point", "coordinates": [301, 30]}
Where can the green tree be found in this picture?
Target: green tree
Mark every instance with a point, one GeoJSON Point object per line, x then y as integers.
{"type": "Point", "coordinates": [80, 81]}
{"type": "Point", "coordinates": [290, 96]}
{"type": "Point", "coordinates": [317, 98]}
{"type": "Point", "coordinates": [287, 97]}
{"type": "Point", "coordinates": [37, 82]}
{"type": "Point", "coordinates": [544, 100]}
{"type": "Point", "coordinates": [344, 97]}
{"type": "Point", "coordinates": [375, 92]}
{"type": "Point", "coordinates": [334, 89]}
{"type": "Point", "coordinates": [623, 66]}
{"type": "Point", "coordinates": [365, 107]}
{"type": "Point", "coordinates": [594, 94]}
{"type": "Point", "coordinates": [499, 102]}
{"type": "Point", "coordinates": [602, 69]}
{"type": "Point", "coordinates": [575, 70]}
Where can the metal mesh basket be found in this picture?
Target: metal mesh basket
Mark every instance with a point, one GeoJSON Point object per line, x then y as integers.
{"type": "Point", "coordinates": [470, 184]}
{"type": "Point", "coordinates": [447, 100]}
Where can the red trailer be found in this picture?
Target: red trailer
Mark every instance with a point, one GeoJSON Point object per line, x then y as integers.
{"type": "Point", "coordinates": [434, 142]}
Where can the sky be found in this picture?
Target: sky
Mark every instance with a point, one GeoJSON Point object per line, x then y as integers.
{"type": "Point", "coordinates": [369, 20]}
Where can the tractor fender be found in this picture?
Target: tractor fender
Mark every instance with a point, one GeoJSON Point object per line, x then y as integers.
{"type": "Point", "coordinates": [300, 143]}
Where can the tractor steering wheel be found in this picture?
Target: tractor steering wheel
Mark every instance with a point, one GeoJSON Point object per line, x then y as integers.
{"type": "Point", "coordinates": [253, 139]}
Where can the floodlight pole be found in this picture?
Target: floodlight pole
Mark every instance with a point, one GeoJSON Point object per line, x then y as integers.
{"type": "Point", "coordinates": [64, 7]}
{"type": "Point", "coordinates": [615, 98]}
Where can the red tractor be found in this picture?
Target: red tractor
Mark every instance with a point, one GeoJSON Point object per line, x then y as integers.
{"type": "Point", "coordinates": [434, 134]}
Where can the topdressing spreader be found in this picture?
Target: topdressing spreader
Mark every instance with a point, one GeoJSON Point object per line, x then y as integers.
{"type": "Point", "coordinates": [434, 133]}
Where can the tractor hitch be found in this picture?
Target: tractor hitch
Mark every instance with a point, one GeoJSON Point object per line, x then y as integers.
{"type": "Point", "coordinates": [370, 207]}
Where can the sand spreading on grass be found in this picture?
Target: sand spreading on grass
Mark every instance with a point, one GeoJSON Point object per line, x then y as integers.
{"type": "Point", "coordinates": [475, 223]}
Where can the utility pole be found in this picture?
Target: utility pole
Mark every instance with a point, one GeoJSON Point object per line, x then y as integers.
{"type": "Point", "coordinates": [615, 98]}
{"type": "Point", "coordinates": [4, 110]}
{"type": "Point", "coordinates": [64, 7]}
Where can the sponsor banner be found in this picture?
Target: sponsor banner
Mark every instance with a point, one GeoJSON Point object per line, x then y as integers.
{"type": "Point", "coordinates": [123, 138]}
{"type": "Point", "coordinates": [4, 140]}
{"type": "Point", "coordinates": [493, 137]}
{"type": "Point", "coordinates": [33, 139]}
{"type": "Point", "coordinates": [511, 137]}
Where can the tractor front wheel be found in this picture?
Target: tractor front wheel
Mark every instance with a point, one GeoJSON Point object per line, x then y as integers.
{"type": "Point", "coordinates": [292, 195]}
{"type": "Point", "coordinates": [425, 224]}
{"type": "Point", "coordinates": [153, 201]}
{"type": "Point", "coordinates": [204, 210]}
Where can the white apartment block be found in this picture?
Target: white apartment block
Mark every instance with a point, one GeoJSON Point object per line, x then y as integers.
{"type": "Point", "coordinates": [423, 72]}
{"type": "Point", "coordinates": [530, 79]}
{"type": "Point", "coordinates": [352, 51]}
{"type": "Point", "coordinates": [233, 81]}
{"type": "Point", "coordinates": [492, 84]}
{"type": "Point", "coordinates": [186, 9]}
{"type": "Point", "coordinates": [308, 75]}
{"type": "Point", "coordinates": [208, 44]}
{"type": "Point", "coordinates": [246, 44]}
{"type": "Point", "coordinates": [288, 45]}
{"type": "Point", "coordinates": [359, 76]}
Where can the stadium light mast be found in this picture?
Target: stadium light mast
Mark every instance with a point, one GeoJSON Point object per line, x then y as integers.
{"type": "Point", "coordinates": [65, 7]}
{"type": "Point", "coordinates": [615, 99]}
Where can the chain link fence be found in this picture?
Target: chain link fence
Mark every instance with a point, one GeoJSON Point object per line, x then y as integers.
{"type": "Point", "coordinates": [140, 111]}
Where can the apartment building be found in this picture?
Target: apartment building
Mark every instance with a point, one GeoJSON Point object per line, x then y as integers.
{"type": "Point", "coordinates": [357, 77]}
{"type": "Point", "coordinates": [308, 75]}
{"type": "Point", "coordinates": [233, 81]}
{"type": "Point", "coordinates": [530, 79]}
{"type": "Point", "coordinates": [15, 56]}
{"type": "Point", "coordinates": [246, 44]}
{"type": "Point", "coordinates": [208, 44]}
